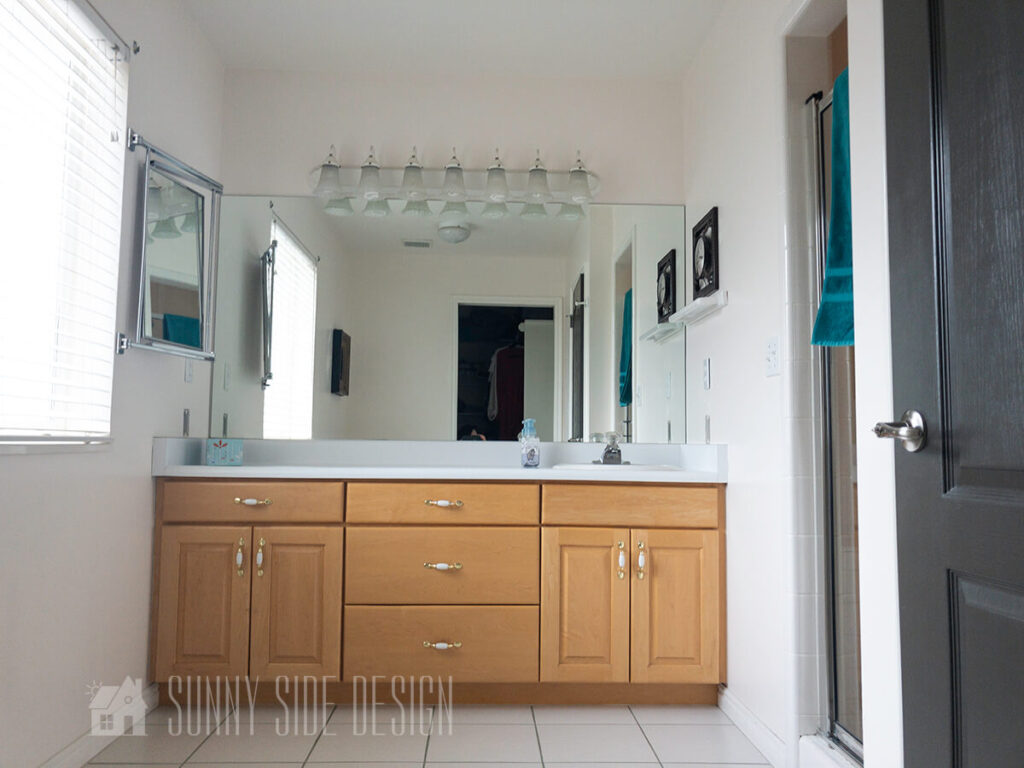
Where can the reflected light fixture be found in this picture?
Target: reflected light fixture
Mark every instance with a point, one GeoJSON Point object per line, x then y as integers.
{"type": "Point", "coordinates": [454, 187]}
{"type": "Point", "coordinates": [534, 211]}
{"type": "Point", "coordinates": [412, 179]}
{"type": "Point", "coordinates": [190, 223]}
{"type": "Point", "coordinates": [165, 229]}
{"type": "Point", "coordinates": [570, 212]}
{"type": "Point", "coordinates": [537, 189]}
{"type": "Point", "coordinates": [369, 177]}
{"type": "Point", "coordinates": [377, 208]}
{"type": "Point", "coordinates": [579, 182]}
{"type": "Point", "coordinates": [329, 183]}
{"type": "Point", "coordinates": [497, 183]}
{"type": "Point", "coordinates": [339, 206]}
{"type": "Point", "coordinates": [453, 227]}
{"type": "Point", "coordinates": [495, 211]}
{"type": "Point", "coordinates": [417, 208]}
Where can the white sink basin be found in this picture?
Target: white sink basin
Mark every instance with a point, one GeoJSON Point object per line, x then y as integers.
{"type": "Point", "coordinates": [621, 467]}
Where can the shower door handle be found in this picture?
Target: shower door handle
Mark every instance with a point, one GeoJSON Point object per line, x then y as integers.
{"type": "Point", "coordinates": [910, 430]}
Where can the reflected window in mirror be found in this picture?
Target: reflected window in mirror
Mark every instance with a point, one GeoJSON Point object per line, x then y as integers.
{"type": "Point", "coordinates": [288, 397]}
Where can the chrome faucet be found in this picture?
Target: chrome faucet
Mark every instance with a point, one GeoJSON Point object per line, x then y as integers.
{"type": "Point", "coordinates": [612, 453]}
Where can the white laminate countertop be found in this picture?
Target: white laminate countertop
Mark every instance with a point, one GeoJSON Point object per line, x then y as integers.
{"type": "Point", "coordinates": [429, 460]}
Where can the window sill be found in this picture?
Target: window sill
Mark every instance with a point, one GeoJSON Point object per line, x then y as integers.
{"type": "Point", "coordinates": [98, 445]}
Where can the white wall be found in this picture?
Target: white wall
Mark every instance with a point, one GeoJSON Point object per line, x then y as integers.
{"type": "Point", "coordinates": [76, 526]}
{"type": "Point", "coordinates": [403, 333]}
{"type": "Point", "coordinates": [734, 157]}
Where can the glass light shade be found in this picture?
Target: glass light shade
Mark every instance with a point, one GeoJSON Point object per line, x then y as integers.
{"type": "Point", "coordinates": [497, 183]}
{"type": "Point", "coordinates": [412, 179]}
{"type": "Point", "coordinates": [329, 182]}
{"type": "Point", "coordinates": [579, 182]}
{"type": "Point", "coordinates": [495, 211]}
{"type": "Point", "coordinates": [166, 229]}
{"type": "Point", "coordinates": [534, 211]}
{"type": "Point", "coordinates": [454, 212]}
{"type": "Point", "coordinates": [339, 206]}
{"type": "Point", "coordinates": [417, 208]}
{"type": "Point", "coordinates": [154, 207]}
{"type": "Point", "coordinates": [454, 187]}
{"type": "Point", "coordinates": [190, 223]}
{"type": "Point", "coordinates": [369, 180]}
{"type": "Point", "coordinates": [377, 208]}
{"type": "Point", "coordinates": [570, 212]}
{"type": "Point", "coordinates": [453, 233]}
{"type": "Point", "coordinates": [537, 185]}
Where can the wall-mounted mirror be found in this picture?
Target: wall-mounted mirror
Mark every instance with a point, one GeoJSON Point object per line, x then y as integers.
{"type": "Point", "coordinates": [382, 329]}
{"type": "Point", "coordinates": [179, 221]}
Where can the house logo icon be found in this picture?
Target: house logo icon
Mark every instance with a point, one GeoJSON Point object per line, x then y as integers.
{"type": "Point", "coordinates": [117, 710]}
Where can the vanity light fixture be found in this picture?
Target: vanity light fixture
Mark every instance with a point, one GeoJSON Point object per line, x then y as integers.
{"type": "Point", "coordinates": [339, 206]}
{"type": "Point", "coordinates": [190, 223]}
{"type": "Point", "coordinates": [369, 178]}
{"type": "Point", "coordinates": [377, 208]}
{"type": "Point", "coordinates": [537, 189]}
{"type": "Point", "coordinates": [579, 182]}
{"type": "Point", "coordinates": [412, 179]}
{"type": "Point", "coordinates": [497, 183]}
{"type": "Point", "coordinates": [166, 229]}
{"type": "Point", "coordinates": [494, 191]}
{"type": "Point", "coordinates": [329, 183]}
{"type": "Point", "coordinates": [454, 184]}
{"type": "Point", "coordinates": [570, 212]}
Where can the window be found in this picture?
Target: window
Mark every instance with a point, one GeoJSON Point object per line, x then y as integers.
{"type": "Point", "coordinates": [288, 398]}
{"type": "Point", "coordinates": [106, 722]}
{"type": "Point", "coordinates": [63, 86]}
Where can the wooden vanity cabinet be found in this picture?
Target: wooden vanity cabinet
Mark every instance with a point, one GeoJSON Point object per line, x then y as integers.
{"type": "Point", "coordinates": [262, 599]}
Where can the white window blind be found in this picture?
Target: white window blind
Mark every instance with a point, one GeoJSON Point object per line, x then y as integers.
{"type": "Point", "coordinates": [63, 88]}
{"type": "Point", "coordinates": [288, 399]}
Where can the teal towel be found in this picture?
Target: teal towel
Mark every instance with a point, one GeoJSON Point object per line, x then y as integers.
{"type": "Point", "coordinates": [626, 351]}
{"type": "Point", "coordinates": [182, 330]}
{"type": "Point", "coordinates": [834, 324]}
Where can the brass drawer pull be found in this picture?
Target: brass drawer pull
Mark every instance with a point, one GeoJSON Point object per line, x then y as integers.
{"type": "Point", "coordinates": [259, 557]}
{"type": "Point", "coordinates": [641, 560]}
{"type": "Point", "coordinates": [622, 560]}
{"type": "Point", "coordinates": [253, 502]}
{"type": "Point", "coordinates": [444, 503]}
{"type": "Point", "coordinates": [239, 561]}
{"type": "Point", "coordinates": [443, 645]}
{"type": "Point", "coordinates": [444, 566]}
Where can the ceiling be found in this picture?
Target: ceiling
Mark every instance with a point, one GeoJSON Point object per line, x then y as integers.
{"type": "Point", "coordinates": [458, 38]}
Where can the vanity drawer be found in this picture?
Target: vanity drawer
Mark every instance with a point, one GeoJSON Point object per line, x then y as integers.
{"type": "Point", "coordinates": [444, 503]}
{"type": "Point", "coordinates": [643, 504]}
{"type": "Point", "coordinates": [303, 501]}
{"type": "Point", "coordinates": [385, 565]}
{"type": "Point", "coordinates": [499, 643]}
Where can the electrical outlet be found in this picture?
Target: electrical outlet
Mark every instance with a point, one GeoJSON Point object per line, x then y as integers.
{"type": "Point", "coordinates": [771, 357]}
{"type": "Point", "coordinates": [707, 373]}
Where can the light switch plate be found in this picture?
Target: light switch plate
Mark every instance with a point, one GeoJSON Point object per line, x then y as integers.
{"type": "Point", "coordinates": [771, 357]}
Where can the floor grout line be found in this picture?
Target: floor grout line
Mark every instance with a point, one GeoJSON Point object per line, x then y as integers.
{"type": "Point", "coordinates": [653, 750]}
{"type": "Point", "coordinates": [305, 762]}
{"type": "Point", "coordinates": [536, 732]}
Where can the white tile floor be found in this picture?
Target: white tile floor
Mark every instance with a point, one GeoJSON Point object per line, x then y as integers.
{"type": "Point", "coordinates": [464, 737]}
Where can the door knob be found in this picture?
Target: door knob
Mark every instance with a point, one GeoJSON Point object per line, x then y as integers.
{"type": "Point", "coordinates": [910, 430]}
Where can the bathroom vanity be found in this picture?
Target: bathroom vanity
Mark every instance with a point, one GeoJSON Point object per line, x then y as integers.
{"type": "Point", "coordinates": [526, 577]}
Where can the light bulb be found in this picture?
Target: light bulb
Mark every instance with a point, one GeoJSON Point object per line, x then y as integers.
{"type": "Point", "coordinates": [377, 208]}
{"type": "Point", "coordinates": [417, 208]}
{"type": "Point", "coordinates": [495, 211]}
{"type": "Point", "coordinates": [329, 183]}
{"type": "Point", "coordinates": [579, 182]}
{"type": "Point", "coordinates": [412, 179]}
{"type": "Point", "coordinates": [369, 178]}
{"type": "Point", "coordinates": [339, 206]}
{"type": "Point", "coordinates": [454, 187]}
{"type": "Point", "coordinates": [534, 211]}
{"type": "Point", "coordinates": [537, 184]}
{"type": "Point", "coordinates": [497, 184]}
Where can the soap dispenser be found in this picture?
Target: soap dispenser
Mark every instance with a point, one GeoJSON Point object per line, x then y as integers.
{"type": "Point", "coordinates": [529, 444]}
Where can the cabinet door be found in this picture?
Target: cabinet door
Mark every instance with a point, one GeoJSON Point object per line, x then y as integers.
{"type": "Point", "coordinates": [584, 629]}
{"type": "Point", "coordinates": [296, 601]}
{"type": "Point", "coordinates": [675, 607]}
{"type": "Point", "coordinates": [203, 601]}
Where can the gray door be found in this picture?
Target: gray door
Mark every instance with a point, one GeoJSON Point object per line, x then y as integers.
{"type": "Point", "coordinates": [954, 72]}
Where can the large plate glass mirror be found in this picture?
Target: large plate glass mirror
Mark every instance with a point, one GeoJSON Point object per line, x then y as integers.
{"type": "Point", "coordinates": [378, 327]}
{"type": "Point", "coordinates": [178, 255]}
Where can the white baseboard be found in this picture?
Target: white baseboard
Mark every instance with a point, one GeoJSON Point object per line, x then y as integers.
{"type": "Point", "coordinates": [86, 747]}
{"type": "Point", "coordinates": [762, 737]}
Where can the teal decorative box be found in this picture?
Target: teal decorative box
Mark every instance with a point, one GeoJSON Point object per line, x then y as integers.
{"type": "Point", "coordinates": [222, 451]}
